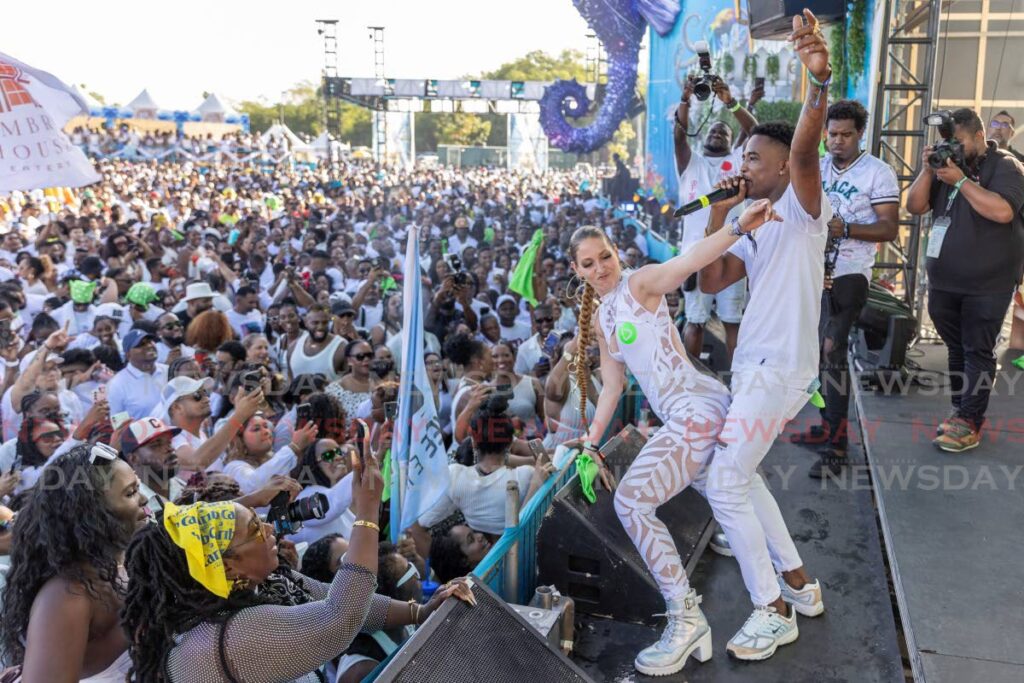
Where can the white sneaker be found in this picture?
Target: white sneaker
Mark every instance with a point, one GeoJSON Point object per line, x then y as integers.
{"type": "Point", "coordinates": [807, 600]}
{"type": "Point", "coordinates": [763, 633]}
{"type": "Point", "coordinates": [687, 633]}
{"type": "Point", "coordinates": [719, 543]}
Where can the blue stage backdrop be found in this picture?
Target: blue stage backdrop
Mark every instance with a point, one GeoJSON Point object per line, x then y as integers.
{"type": "Point", "coordinates": [672, 58]}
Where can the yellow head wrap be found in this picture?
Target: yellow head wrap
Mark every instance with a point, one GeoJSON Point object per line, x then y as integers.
{"type": "Point", "coordinates": [203, 531]}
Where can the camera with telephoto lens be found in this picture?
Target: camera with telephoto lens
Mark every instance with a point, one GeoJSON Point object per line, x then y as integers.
{"type": "Point", "coordinates": [703, 85]}
{"type": "Point", "coordinates": [948, 147]}
{"type": "Point", "coordinates": [287, 518]}
{"type": "Point", "coordinates": [460, 276]}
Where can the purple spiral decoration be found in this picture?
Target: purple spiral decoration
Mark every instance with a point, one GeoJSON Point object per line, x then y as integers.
{"type": "Point", "coordinates": [620, 26]}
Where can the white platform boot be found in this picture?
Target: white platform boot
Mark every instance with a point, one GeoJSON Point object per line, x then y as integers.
{"type": "Point", "coordinates": [687, 633]}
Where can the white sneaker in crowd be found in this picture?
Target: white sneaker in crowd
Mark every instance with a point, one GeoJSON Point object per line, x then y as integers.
{"type": "Point", "coordinates": [763, 633]}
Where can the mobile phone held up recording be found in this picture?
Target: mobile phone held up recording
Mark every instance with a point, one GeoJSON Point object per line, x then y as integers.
{"type": "Point", "coordinates": [391, 410]}
{"type": "Point", "coordinates": [252, 380]}
{"type": "Point", "coordinates": [550, 343]}
{"type": "Point", "coordinates": [362, 439]}
{"type": "Point", "coordinates": [303, 414]}
{"type": "Point", "coordinates": [5, 333]}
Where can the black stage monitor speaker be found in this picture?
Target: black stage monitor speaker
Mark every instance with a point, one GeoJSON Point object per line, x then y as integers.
{"type": "Point", "coordinates": [583, 550]}
{"type": "Point", "coordinates": [773, 19]}
{"type": "Point", "coordinates": [489, 642]}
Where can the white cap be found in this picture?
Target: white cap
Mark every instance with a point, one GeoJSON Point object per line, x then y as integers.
{"type": "Point", "coordinates": [182, 386]}
{"type": "Point", "coordinates": [110, 310]}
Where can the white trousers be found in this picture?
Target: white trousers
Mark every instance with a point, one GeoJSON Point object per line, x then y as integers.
{"type": "Point", "coordinates": [763, 402]}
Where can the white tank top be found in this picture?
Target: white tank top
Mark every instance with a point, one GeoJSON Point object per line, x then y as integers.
{"type": "Point", "coordinates": [320, 364]}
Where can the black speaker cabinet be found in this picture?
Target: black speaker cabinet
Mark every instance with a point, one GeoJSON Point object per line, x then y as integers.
{"type": "Point", "coordinates": [773, 19]}
{"type": "Point", "coordinates": [489, 642]}
{"type": "Point", "coordinates": [583, 550]}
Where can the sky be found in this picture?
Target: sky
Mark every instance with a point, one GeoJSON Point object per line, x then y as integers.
{"type": "Point", "coordinates": [258, 48]}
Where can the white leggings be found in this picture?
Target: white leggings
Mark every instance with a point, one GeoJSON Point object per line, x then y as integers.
{"type": "Point", "coordinates": [674, 458]}
{"type": "Point", "coordinates": [762, 404]}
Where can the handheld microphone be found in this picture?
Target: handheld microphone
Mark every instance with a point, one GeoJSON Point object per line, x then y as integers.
{"type": "Point", "coordinates": [706, 201]}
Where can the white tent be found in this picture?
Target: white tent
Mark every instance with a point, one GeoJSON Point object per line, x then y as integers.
{"type": "Point", "coordinates": [324, 145]}
{"type": "Point", "coordinates": [212, 110]}
{"type": "Point", "coordinates": [279, 132]}
{"type": "Point", "coordinates": [144, 106]}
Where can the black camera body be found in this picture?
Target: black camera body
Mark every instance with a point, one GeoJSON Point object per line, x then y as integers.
{"type": "Point", "coordinates": [703, 85]}
{"type": "Point", "coordinates": [948, 147]}
{"type": "Point", "coordinates": [460, 276]}
{"type": "Point", "coordinates": [287, 518]}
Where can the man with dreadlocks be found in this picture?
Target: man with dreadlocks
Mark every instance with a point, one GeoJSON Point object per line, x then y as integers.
{"type": "Point", "coordinates": [635, 330]}
{"type": "Point", "coordinates": [66, 581]}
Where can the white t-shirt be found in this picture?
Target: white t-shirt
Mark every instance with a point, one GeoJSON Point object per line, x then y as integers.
{"type": "Point", "coordinates": [854, 192]}
{"type": "Point", "coordinates": [244, 324]}
{"type": "Point", "coordinates": [481, 498]}
{"type": "Point", "coordinates": [519, 331]}
{"type": "Point", "coordinates": [699, 179]}
{"type": "Point", "coordinates": [786, 272]}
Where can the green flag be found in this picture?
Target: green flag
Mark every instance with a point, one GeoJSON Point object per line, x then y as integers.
{"type": "Point", "coordinates": [522, 278]}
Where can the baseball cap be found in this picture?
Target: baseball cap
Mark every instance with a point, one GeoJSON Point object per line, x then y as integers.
{"type": "Point", "coordinates": [182, 386]}
{"type": "Point", "coordinates": [140, 432]}
{"type": "Point", "coordinates": [342, 307]}
{"type": "Point", "coordinates": [134, 338]}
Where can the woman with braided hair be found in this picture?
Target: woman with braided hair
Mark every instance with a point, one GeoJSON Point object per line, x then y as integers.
{"type": "Point", "coordinates": [634, 329]}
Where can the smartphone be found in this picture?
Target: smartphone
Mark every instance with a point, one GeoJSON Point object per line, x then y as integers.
{"type": "Point", "coordinates": [391, 410]}
{"type": "Point", "coordinates": [538, 450]}
{"type": "Point", "coordinates": [383, 264]}
{"type": "Point", "coordinates": [362, 439]}
{"type": "Point", "coordinates": [550, 343]}
{"type": "Point", "coordinates": [5, 333]}
{"type": "Point", "coordinates": [505, 388]}
{"type": "Point", "coordinates": [303, 413]}
{"type": "Point", "coordinates": [120, 420]}
{"type": "Point", "coordinates": [759, 82]}
{"type": "Point", "coordinates": [252, 380]}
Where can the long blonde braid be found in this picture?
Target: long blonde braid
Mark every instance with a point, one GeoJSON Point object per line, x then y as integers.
{"type": "Point", "coordinates": [587, 299]}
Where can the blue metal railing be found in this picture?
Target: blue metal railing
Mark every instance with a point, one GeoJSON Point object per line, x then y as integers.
{"type": "Point", "coordinates": [492, 568]}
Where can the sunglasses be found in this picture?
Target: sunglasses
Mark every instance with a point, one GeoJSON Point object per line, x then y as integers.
{"type": "Point", "coordinates": [170, 326]}
{"type": "Point", "coordinates": [253, 532]}
{"type": "Point", "coordinates": [362, 356]}
{"type": "Point", "coordinates": [200, 395]}
{"type": "Point", "coordinates": [1000, 124]}
{"type": "Point", "coordinates": [330, 455]}
{"type": "Point", "coordinates": [547, 319]}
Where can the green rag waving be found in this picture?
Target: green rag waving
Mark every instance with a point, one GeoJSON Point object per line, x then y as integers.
{"type": "Point", "coordinates": [588, 470]}
{"type": "Point", "coordinates": [522, 278]}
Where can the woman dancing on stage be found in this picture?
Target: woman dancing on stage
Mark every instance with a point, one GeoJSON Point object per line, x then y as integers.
{"type": "Point", "coordinates": [636, 331]}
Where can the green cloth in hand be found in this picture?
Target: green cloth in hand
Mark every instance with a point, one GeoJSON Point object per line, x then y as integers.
{"type": "Point", "coordinates": [587, 469]}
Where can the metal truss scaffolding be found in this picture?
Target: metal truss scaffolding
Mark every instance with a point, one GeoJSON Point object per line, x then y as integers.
{"type": "Point", "coordinates": [380, 126]}
{"type": "Point", "coordinates": [328, 30]}
{"type": "Point", "coordinates": [903, 96]}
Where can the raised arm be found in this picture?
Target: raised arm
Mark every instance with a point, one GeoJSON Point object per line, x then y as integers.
{"type": "Point", "coordinates": [652, 282]}
{"type": "Point", "coordinates": [804, 166]}
{"type": "Point", "coordinates": [743, 117]}
{"type": "Point", "coordinates": [680, 126]}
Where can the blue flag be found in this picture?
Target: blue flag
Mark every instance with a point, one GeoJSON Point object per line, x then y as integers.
{"type": "Point", "coordinates": [420, 476]}
{"type": "Point", "coordinates": [658, 249]}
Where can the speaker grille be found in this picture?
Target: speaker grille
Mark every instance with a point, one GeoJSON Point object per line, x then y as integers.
{"type": "Point", "coordinates": [488, 642]}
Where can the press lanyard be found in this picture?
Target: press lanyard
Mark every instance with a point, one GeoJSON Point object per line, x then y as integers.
{"type": "Point", "coordinates": [952, 196]}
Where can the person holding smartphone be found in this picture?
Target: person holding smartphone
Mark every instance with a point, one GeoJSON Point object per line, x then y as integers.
{"type": "Point", "coordinates": [534, 355]}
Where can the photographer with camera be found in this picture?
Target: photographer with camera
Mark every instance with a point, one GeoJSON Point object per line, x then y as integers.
{"type": "Point", "coordinates": [699, 171]}
{"type": "Point", "coordinates": [975, 253]}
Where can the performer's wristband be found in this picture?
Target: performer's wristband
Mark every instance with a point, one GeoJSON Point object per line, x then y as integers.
{"type": "Point", "coordinates": [736, 230]}
{"type": "Point", "coordinates": [820, 84]}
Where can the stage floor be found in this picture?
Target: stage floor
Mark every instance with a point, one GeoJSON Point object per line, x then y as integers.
{"type": "Point", "coordinates": [836, 533]}
{"type": "Point", "coordinates": [952, 526]}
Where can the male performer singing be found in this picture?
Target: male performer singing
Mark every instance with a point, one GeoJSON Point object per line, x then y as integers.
{"type": "Point", "coordinates": [864, 195]}
{"type": "Point", "coordinates": [776, 362]}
